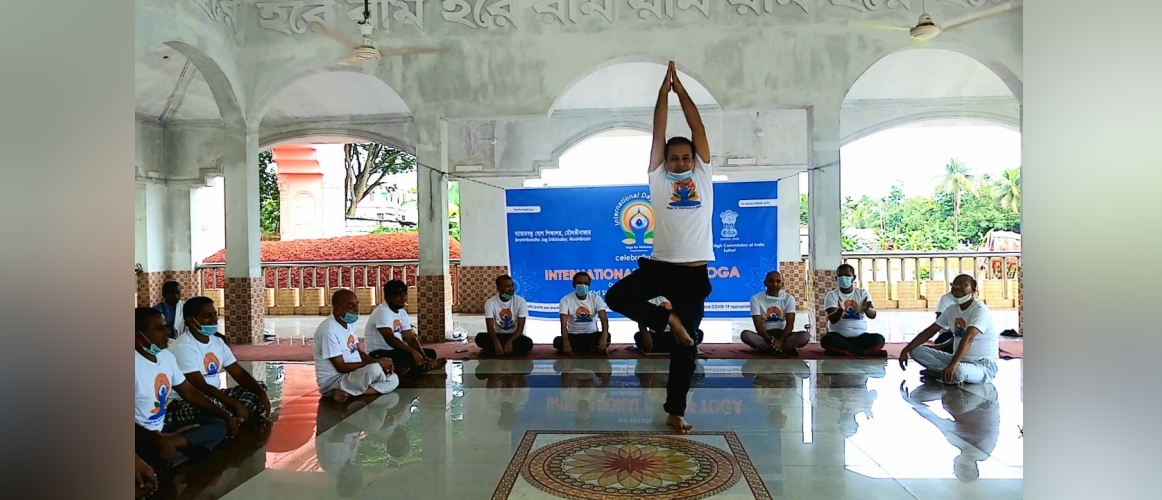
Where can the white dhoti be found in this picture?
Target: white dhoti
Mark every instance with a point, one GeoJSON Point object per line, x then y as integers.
{"type": "Point", "coordinates": [371, 376]}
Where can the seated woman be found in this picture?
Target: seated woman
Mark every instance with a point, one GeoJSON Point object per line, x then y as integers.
{"type": "Point", "coordinates": [579, 331]}
{"type": "Point", "coordinates": [773, 313]}
{"type": "Point", "coordinates": [848, 308]}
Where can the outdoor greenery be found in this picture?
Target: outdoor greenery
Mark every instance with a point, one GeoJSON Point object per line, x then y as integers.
{"type": "Point", "coordinates": [963, 209]}
{"type": "Point", "coordinates": [368, 166]}
{"type": "Point", "coordinates": [268, 197]}
{"type": "Point", "coordinates": [453, 214]}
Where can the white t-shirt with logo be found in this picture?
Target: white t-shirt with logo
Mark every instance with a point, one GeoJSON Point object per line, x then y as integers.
{"type": "Point", "coordinates": [210, 359]}
{"type": "Point", "coordinates": [852, 323]}
{"type": "Point", "coordinates": [945, 302]}
{"type": "Point", "coordinates": [773, 310]}
{"type": "Point", "coordinates": [683, 215]}
{"type": "Point", "coordinates": [333, 339]}
{"type": "Point", "coordinates": [985, 344]}
{"type": "Point", "coordinates": [582, 313]}
{"type": "Point", "coordinates": [384, 317]}
{"type": "Point", "coordinates": [505, 314]}
{"type": "Point", "coordinates": [152, 385]}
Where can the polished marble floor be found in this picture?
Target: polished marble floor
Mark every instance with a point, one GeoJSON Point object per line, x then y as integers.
{"type": "Point", "coordinates": [520, 429]}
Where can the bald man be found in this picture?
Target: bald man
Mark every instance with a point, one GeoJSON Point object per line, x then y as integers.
{"type": "Point", "coordinates": [341, 368]}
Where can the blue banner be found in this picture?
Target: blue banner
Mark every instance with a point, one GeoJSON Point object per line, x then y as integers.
{"type": "Point", "coordinates": [555, 232]}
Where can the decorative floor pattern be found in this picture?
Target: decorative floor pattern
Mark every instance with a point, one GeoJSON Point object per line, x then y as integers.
{"type": "Point", "coordinates": [578, 465]}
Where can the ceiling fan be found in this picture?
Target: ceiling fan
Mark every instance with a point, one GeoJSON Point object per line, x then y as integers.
{"type": "Point", "coordinates": [927, 29]}
{"type": "Point", "coordinates": [365, 50]}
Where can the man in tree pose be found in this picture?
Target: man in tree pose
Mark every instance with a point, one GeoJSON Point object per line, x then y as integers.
{"type": "Point", "coordinates": [683, 204]}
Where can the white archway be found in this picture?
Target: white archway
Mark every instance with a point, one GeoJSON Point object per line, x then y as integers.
{"type": "Point", "coordinates": [626, 83]}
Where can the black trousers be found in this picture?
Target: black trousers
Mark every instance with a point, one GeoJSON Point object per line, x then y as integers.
{"type": "Point", "coordinates": [520, 346]}
{"type": "Point", "coordinates": [686, 287]}
{"type": "Point", "coordinates": [664, 341]}
{"type": "Point", "coordinates": [402, 359]}
{"type": "Point", "coordinates": [581, 343]}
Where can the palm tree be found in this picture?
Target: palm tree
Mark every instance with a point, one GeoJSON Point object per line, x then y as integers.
{"type": "Point", "coordinates": [1010, 187]}
{"type": "Point", "coordinates": [957, 179]}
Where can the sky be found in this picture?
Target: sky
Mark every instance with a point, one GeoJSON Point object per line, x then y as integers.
{"type": "Point", "coordinates": [914, 155]}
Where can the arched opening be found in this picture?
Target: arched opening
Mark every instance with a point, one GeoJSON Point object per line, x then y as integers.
{"type": "Point", "coordinates": [331, 95]}
{"type": "Point", "coordinates": [626, 84]}
{"type": "Point", "coordinates": [617, 156]}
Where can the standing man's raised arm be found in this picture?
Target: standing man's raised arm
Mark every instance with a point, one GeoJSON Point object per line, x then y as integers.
{"type": "Point", "coordinates": [693, 119]}
{"type": "Point", "coordinates": [661, 110]}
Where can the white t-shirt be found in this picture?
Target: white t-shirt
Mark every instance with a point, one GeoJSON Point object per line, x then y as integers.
{"type": "Point", "coordinates": [152, 384]}
{"type": "Point", "coordinates": [208, 359]}
{"type": "Point", "coordinates": [945, 302]}
{"type": "Point", "coordinates": [984, 346]}
{"type": "Point", "coordinates": [853, 323]}
{"type": "Point", "coordinates": [773, 310]}
{"type": "Point", "coordinates": [664, 302]}
{"type": "Point", "coordinates": [582, 313]}
{"type": "Point", "coordinates": [505, 314]}
{"type": "Point", "coordinates": [683, 215]}
{"type": "Point", "coordinates": [384, 317]}
{"type": "Point", "coordinates": [332, 339]}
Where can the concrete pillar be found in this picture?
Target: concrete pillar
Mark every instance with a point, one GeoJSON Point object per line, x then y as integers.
{"type": "Point", "coordinates": [162, 239]}
{"type": "Point", "coordinates": [824, 206]}
{"type": "Point", "coordinates": [483, 245]}
{"type": "Point", "coordinates": [244, 294]}
{"type": "Point", "coordinates": [434, 282]}
{"type": "Point", "coordinates": [791, 264]}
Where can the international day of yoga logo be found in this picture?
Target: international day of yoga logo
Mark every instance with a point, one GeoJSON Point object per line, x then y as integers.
{"type": "Point", "coordinates": [636, 218]}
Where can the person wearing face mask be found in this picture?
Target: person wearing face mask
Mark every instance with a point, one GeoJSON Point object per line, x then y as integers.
{"type": "Point", "coordinates": [682, 197]}
{"type": "Point", "coordinates": [504, 319]}
{"type": "Point", "coordinates": [155, 375]}
{"type": "Point", "coordinates": [342, 370]}
{"type": "Point", "coordinates": [773, 313]}
{"type": "Point", "coordinates": [848, 308]}
{"type": "Point", "coordinates": [580, 311]}
{"type": "Point", "coordinates": [389, 334]}
{"type": "Point", "coordinates": [203, 356]}
{"type": "Point", "coordinates": [974, 339]}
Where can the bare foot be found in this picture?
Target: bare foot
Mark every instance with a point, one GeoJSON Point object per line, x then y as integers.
{"type": "Point", "coordinates": [679, 424]}
{"type": "Point", "coordinates": [438, 364]}
{"type": "Point", "coordinates": [340, 396]}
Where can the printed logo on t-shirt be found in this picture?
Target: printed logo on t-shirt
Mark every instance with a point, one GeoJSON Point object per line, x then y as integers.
{"type": "Point", "coordinates": [684, 193]}
{"type": "Point", "coordinates": [352, 346]}
{"type": "Point", "coordinates": [505, 319]}
{"type": "Point", "coordinates": [161, 390]}
{"type": "Point", "coordinates": [582, 315]}
{"type": "Point", "coordinates": [397, 326]}
{"type": "Point", "coordinates": [850, 309]}
{"type": "Point", "coordinates": [959, 326]}
{"type": "Point", "coordinates": [774, 314]}
{"type": "Point", "coordinates": [211, 364]}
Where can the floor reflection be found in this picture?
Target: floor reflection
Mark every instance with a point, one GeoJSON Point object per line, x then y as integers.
{"type": "Point", "coordinates": [812, 429]}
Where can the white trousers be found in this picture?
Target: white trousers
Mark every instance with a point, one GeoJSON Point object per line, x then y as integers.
{"type": "Point", "coordinates": [977, 371]}
{"type": "Point", "coordinates": [371, 376]}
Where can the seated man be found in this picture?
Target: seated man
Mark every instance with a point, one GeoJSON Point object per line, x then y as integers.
{"type": "Point", "coordinates": [155, 375]}
{"type": "Point", "coordinates": [773, 313]}
{"type": "Point", "coordinates": [504, 318]}
{"type": "Point", "coordinates": [651, 342]}
{"type": "Point", "coordinates": [389, 334]}
{"type": "Point", "coordinates": [944, 341]}
{"type": "Point", "coordinates": [341, 369]}
{"type": "Point", "coordinates": [202, 357]}
{"type": "Point", "coordinates": [579, 331]}
{"type": "Point", "coordinates": [171, 306]}
{"type": "Point", "coordinates": [974, 339]}
{"type": "Point", "coordinates": [848, 308]}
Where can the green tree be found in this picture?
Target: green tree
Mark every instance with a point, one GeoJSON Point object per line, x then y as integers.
{"type": "Point", "coordinates": [804, 209]}
{"type": "Point", "coordinates": [1010, 190]}
{"type": "Point", "coordinates": [368, 166]}
{"type": "Point", "coordinates": [268, 195]}
{"type": "Point", "coordinates": [957, 180]}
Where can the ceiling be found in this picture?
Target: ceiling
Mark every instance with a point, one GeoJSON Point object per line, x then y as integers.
{"type": "Point", "coordinates": [168, 88]}
{"type": "Point", "coordinates": [627, 85]}
{"type": "Point", "coordinates": [927, 74]}
{"type": "Point", "coordinates": [336, 94]}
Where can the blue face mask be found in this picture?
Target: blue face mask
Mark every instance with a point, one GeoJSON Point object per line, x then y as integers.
{"type": "Point", "coordinates": [350, 318]}
{"type": "Point", "coordinates": [209, 330]}
{"type": "Point", "coordinates": [153, 349]}
{"type": "Point", "coordinates": [678, 177]}
{"type": "Point", "coordinates": [845, 281]}
{"type": "Point", "coordinates": [505, 297]}
{"type": "Point", "coordinates": [581, 290]}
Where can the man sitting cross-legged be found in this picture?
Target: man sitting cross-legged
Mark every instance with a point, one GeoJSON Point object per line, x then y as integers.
{"type": "Point", "coordinates": [389, 334]}
{"type": "Point", "coordinates": [974, 338]}
{"type": "Point", "coordinates": [580, 311]}
{"type": "Point", "coordinates": [504, 319]}
{"type": "Point", "coordinates": [848, 308]}
{"type": "Point", "coordinates": [202, 356]}
{"type": "Point", "coordinates": [651, 342]}
{"type": "Point", "coordinates": [773, 313]}
{"type": "Point", "coordinates": [155, 375]}
{"type": "Point", "coordinates": [341, 369]}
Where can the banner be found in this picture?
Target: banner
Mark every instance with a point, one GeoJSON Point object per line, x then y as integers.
{"type": "Point", "coordinates": [554, 233]}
